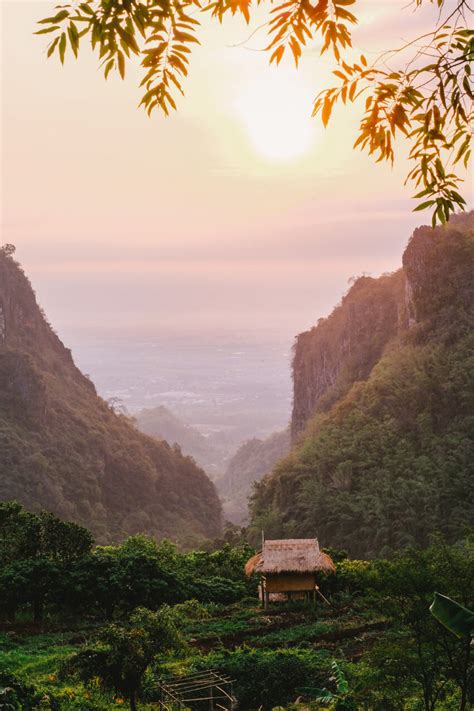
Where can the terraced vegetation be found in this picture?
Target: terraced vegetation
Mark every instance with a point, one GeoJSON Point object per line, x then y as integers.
{"type": "Point", "coordinates": [231, 639]}
{"type": "Point", "coordinates": [147, 611]}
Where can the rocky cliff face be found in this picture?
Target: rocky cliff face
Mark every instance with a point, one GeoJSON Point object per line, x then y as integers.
{"type": "Point", "coordinates": [439, 281]}
{"type": "Point", "coordinates": [63, 449]}
{"type": "Point", "coordinates": [24, 328]}
{"type": "Point", "coordinates": [344, 347]}
{"type": "Point", "coordinates": [388, 458]}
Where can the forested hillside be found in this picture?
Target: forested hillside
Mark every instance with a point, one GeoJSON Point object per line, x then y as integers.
{"type": "Point", "coordinates": [64, 449]}
{"type": "Point", "coordinates": [251, 462]}
{"type": "Point", "coordinates": [384, 409]}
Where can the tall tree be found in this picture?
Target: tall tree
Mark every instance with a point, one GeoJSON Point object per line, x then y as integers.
{"type": "Point", "coordinates": [124, 653]}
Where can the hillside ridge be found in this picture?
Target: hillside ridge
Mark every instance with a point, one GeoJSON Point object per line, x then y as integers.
{"type": "Point", "coordinates": [162, 423]}
{"type": "Point", "coordinates": [383, 450]}
{"type": "Point", "coordinates": [253, 459]}
{"type": "Point", "coordinates": [344, 347]}
{"type": "Point", "coordinates": [64, 449]}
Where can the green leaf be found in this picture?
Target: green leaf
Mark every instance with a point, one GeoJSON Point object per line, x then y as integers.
{"type": "Point", "coordinates": [423, 193]}
{"type": "Point", "coordinates": [73, 39]}
{"type": "Point", "coordinates": [47, 29]}
{"type": "Point", "coordinates": [62, 47]}
{"type": "Point", "coordinates": [47, 21]}
{"type": "Point", "coordinates": [61, 16]}
{"type": "Point", "coordinates": [424, 205]}
{"type": "Point", "coordinates": [322, 695]}
{"type": "Point", "coordinates": [52, 46]}
{"type": "Point", "coordinates": [456, 618]}
{"type": "Point", "coordinates": [121, 64]}
{"type": "Point", "coordinates": [85, 8]}
{"type": "Point", "coordinates": [108, 67]}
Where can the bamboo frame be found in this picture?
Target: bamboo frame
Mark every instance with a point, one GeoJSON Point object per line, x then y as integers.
{"type": "Point", "coordinates": [178, 692]}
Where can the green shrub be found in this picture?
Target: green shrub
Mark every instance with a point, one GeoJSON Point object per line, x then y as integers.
{"type": "Point", "coordinates": [191, 610]}
{"type": "Point", "coordinates": [216, 589]}
{"type": "Point", "coordinates": [265, 679]}
{"type": "Point", "coordinates": [15, 694]}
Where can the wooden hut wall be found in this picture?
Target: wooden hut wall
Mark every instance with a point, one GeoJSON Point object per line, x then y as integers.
{"type": "Point", "coordinates": [289, 582]}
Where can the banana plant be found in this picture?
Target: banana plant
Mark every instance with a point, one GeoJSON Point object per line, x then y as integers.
{"type": "Point", "coordinates": [341, 699]}
{"type": "Point", "coordinates": [456, 618]}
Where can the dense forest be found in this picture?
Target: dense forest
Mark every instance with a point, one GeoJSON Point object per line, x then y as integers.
{"type": "Point", "coordinates": [383, 424]}
{"type": "Point", "coordinates": [65, 449]}
{"type": "Point", "coordinates": [91, 628]}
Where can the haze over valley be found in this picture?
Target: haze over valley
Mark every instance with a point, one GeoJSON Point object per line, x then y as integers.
{"type": "Point", "coordinates": [209, 393]}
{"type": "Point", "coordinates": [234, 385]}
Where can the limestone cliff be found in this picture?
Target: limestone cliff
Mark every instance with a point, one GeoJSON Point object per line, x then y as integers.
{"type": "Point", "coordinates": [383, 412]}
{"type": "Point", "coordinates": [343, 348]}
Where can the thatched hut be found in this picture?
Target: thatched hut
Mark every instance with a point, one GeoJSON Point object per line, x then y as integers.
{"type": "Point", "coordinates": [289, 567]}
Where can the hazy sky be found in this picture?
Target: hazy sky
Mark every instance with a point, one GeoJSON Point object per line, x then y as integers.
{"type": "Point", "coordinates": [238, 212]}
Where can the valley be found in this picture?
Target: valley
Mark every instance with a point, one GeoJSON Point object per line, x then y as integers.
{"type": "Point", "coordinates": [212, 394]}
{"type": "Point", "coordinates": [230, 387]}
{"type": "Point", "coordinates": [376, 464]}
{"type": "Point", "coordinates": [237, 355]}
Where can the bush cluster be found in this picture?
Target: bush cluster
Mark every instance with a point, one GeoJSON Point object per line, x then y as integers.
{"type": "Point", "coordinates": [50, 567]}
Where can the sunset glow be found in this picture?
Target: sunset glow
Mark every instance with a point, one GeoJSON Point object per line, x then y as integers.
{"type": "Point", "coordinates": [275, 109]}
{"type": "Point", "coordinates": [200, 211]}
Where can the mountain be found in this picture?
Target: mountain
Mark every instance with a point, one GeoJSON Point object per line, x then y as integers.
{"type": "Point", "coordinates": [251, 462]}
{"type": "Point", "coordinates": [64, 449]}
{"type": "Point", "coordinates": [253, 459]}
{"type": "Point", "coordinates": [383, 416]}
{"type": "Point", "coordinates": [343, 348]}
{"type": "Point", "coordinates": [160, 422]}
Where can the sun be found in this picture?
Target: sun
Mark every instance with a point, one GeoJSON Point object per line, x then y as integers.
{"type": "Point", "coordinates": [275, 109]}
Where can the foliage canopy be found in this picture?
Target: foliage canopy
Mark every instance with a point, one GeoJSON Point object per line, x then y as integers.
{"type": "Point", "coordinates": [123, 654]}
{"type": "Point", "coordinates": [375, 647]}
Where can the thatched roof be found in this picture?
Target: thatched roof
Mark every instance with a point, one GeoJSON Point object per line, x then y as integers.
{"type": "Point", "coordinates": [294, 555]}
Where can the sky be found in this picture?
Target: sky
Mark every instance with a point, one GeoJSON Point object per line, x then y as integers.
{"type": "Point", "coordinates": [237, 213]}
